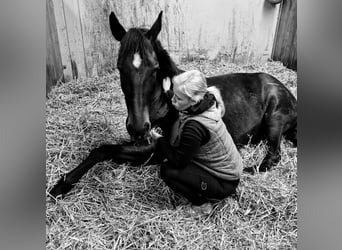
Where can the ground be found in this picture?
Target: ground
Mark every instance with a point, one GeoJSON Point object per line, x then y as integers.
{"type": "Point", "coordinates": [124, 207]}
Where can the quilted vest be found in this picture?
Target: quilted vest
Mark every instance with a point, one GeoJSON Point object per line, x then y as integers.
{"type": "Point", "coordinates": [219, 155]}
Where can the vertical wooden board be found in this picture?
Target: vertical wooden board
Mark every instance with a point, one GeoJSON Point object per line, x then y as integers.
{"type": "Point", "coordinates": [86, 22]}
{"type": "Point", "coordinates": [68, 23]}
{"type": "Point", "coordinates": [75, 35]}
{"type": "Point", "coordinates": [265, 31]}
{"type": "Point", "coordinates": [62, 37]}
{"type": "Point", "coordinates": [54, 68]}
{"type": "Point", "coordinates": [50, 73]}
{"type": "Point", "coordinates": [100, 45]}
{"type": "Point", "coordinates": [285, 45]}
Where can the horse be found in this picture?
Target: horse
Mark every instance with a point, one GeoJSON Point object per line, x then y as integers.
{"type": "Point", "coordinates": [258, 106]}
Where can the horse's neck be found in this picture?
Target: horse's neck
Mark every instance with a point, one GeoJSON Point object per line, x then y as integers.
{"type": "Point", "coordinates": [167, 69]}
{"type": "Point", "coordinates": [167, 66]}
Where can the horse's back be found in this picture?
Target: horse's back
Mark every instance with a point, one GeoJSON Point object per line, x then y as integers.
{"type": "Point", "coordinates": [249, 98]}
{"type": "Point", "coordinates": [243, 81]}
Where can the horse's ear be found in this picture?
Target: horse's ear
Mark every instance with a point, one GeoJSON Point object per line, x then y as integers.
{"type": "Point", "coordinates": [156, 27]}
{"type": "Point", "coordinates": [117, 30]}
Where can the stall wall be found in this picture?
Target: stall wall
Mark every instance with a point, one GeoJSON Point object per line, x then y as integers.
{"type": "Point", "coordinates": [234, 30]}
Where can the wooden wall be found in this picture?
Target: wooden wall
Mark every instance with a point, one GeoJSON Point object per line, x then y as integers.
{"type": "Point", "coordinates": [54, 68]}
{"type": "Point", "coordinates": [238, 31]}
{"type": "Point", "coordinates": [285, 45]}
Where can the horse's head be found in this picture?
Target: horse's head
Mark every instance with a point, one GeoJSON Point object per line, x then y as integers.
{"type": "Point", "coordinates": [139, 63]}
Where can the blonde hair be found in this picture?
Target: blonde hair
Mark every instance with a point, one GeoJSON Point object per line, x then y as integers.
{"type": "Point", "coordinates": [193, 84]}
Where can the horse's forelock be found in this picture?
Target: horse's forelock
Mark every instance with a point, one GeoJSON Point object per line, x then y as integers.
{"type": "Point", "coordinates": [134, 42]}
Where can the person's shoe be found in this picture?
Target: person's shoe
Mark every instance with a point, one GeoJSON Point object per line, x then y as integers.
{"type": "Point", "coordinates": [204, 209]}
{"type": "Point", "coordinates": [196, 211]}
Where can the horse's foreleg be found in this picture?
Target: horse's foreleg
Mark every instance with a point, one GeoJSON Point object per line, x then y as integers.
{"type": "Point", "coordinates": [117, 153]}
{"type": "Point", "coordinates": [272, 129]}
{"type": "Point", "coordinates": [273, 152]}
{"type": "Point", "coordinates": [273, 142]}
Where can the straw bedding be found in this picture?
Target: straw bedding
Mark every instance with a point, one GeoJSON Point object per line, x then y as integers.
{"type": "Point", "coordinates": [124, 207]}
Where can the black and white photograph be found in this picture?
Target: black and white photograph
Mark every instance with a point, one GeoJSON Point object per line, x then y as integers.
{"type": "Point", "coordinates": [171, 124]}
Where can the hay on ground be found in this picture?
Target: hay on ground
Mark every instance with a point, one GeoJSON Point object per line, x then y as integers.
{"type": "Point", "coordinates": [124, 207]}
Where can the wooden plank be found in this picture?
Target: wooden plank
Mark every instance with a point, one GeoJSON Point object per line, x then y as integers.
{"type": "Point", "coordinates": [69, 30]}
{"type": "Point", "coordinates": [239, 31]}
{"type": "Point", "coordinates": [63, 38]}
{"type": "Point", "coordinates": [100, 46]}
{"type": "Point", "coordinates": [73, 29]}
{"type": "Point", "coordinates": [54, 67]}
{"type": "Point", "coordinates": [285, 45]}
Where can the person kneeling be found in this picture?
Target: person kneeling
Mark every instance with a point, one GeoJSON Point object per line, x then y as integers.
{"type": "Point", "coordinates": [203, 163]}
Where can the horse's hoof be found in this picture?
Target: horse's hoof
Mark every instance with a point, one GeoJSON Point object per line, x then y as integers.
{"type": "Point", "coordinates": [250, 170]}
{"type": "Point", "coordinates": [61, 188]}
{"type": "Point", "coordinates": [264, 168]}
{"type": "Point", "coordinates": [267, 164]}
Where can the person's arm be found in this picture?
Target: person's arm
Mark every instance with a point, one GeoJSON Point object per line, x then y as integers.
{"type": "Point", "coordinates": [194, 135]}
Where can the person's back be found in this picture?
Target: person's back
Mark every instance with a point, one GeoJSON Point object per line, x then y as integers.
{"type": "Point", "coordinates": [219, 155]}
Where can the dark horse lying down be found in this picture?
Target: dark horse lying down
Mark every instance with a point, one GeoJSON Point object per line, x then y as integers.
{"type": "Point", "coordinates": [258, 106]}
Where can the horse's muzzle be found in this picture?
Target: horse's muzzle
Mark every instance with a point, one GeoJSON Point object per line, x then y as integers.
{"type": "Point", "coordinates": [138, 133]}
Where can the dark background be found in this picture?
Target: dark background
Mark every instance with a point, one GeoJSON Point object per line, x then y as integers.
{"type": "Point", "coordinates": [22, 123]}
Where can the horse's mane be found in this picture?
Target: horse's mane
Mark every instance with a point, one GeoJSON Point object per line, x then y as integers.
{"type": "Point", "coordinates": [167, 65]}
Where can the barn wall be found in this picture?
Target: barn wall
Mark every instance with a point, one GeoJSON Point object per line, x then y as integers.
{"type": "Point", "coordinates": [285, 45]}
{"type": "Point", "coordinates": [54, 68]}
{"type": "Point", "coordinates": [239, 31]}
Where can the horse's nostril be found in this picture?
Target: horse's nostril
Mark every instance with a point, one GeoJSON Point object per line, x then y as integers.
{"type": "Point", "coordinates": [138, 133]}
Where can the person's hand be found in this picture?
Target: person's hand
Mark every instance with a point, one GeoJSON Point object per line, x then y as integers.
{"type": "Point", "coordinates": [166, 84]}
{"type": "Point", "coordinates": [155, 133]}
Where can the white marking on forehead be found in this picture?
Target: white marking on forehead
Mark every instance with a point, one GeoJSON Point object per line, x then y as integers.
{"type": "Point", "coordinates": [136, 60]}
